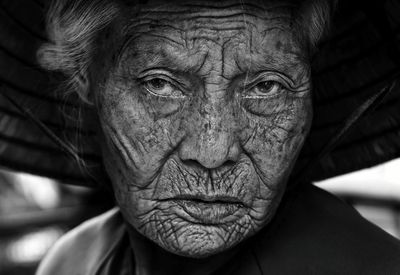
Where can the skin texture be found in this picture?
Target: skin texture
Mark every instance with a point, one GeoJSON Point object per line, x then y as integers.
{"type": "Point", "coordinates": [203, 112]}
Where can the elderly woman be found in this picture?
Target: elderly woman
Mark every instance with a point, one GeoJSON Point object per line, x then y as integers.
{"type": "Point", "coordinates": [203, 107]}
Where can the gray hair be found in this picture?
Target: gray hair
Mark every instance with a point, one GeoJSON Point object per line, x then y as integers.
{"type": "Point", "coordinates": [72, 27]}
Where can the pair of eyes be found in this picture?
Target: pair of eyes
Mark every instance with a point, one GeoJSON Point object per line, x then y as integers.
{"type": "Point", "coordinates": [164, 88]}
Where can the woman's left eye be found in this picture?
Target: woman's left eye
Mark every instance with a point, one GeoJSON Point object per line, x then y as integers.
{"type": "Point", "coordinates": [264, 89]}
{"type": "Point", "coordinates": [163, 88]}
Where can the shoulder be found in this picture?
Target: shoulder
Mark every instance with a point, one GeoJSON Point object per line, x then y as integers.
{"type": "Point", "coordinates": [320, 234]}
{"type": "Point", "coordinates": [82, 247]}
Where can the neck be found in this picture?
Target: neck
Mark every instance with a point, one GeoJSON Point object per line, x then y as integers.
{"type": "Point", "coordinates": [150, 259]}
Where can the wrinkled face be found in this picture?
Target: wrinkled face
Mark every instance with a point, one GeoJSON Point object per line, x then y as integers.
{"type": "Point", "coordinates": [203, 115]}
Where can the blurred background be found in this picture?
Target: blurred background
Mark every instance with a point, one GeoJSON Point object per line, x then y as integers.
{"type": "Point", "coordinates": [36, 211]}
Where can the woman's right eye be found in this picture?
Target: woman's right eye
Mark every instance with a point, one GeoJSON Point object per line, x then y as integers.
{"type": "Point", "coordinates": [163, 88]}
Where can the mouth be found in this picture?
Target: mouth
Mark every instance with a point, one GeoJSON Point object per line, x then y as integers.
{"type": "Point", "coordinates": [210, 210]}
{"type": "Point", "coordinates": [208, 199]}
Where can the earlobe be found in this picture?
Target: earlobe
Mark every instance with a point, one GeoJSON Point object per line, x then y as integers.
{"type": "Point", "coordinates": [82, 87]}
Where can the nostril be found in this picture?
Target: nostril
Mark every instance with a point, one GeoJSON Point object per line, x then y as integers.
{"type": "Point", "coordinates": [229, 163]}
{"type": "Point", "coordinates": [192, 163]}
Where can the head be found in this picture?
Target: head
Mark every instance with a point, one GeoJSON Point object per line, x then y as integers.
{"type": "Point", "coordinates": [203, 107]}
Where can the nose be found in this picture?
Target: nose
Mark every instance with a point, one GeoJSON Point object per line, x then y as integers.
{"type": "Point", "coordinates": [210, 141]}
{"type": "Point", "coordinates": [210, 153]}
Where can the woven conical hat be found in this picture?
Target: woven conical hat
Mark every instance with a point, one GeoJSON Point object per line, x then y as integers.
{"type": "Point", "coordinates": [360, 57]}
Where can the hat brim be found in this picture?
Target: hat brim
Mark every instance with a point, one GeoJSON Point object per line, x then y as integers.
{"type": "Point", "coordinates": [359, 58]}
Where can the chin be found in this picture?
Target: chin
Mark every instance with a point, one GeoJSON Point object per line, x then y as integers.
{"type": "Point", "coordinates": [201, 241]}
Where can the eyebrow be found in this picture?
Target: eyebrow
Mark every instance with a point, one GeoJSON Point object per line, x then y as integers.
{"type": "Point", "coordinates": [277, 62]}
{"type": "Point", "coordinates": [159, 57]}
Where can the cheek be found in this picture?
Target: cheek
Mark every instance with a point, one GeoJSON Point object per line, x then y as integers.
{"type": "Point", "coordinates": [277, 129]}
{"type": "Point", "coordinates": [136, 133]}
{"type": "Point", "coordinates": [136, 144]}
{"type": "Point", "coordinates": [272, 140]}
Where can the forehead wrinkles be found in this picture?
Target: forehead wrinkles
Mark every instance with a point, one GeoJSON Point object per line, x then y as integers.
{"type": "Point", "coordinates": [224, 29]}
{"type": "Point", "coordinates": [191, 21]}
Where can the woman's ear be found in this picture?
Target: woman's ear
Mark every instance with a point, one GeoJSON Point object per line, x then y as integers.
{"type": "Point", "coordinates": [81, 85]}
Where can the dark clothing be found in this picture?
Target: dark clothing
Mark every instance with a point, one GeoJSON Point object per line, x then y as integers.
{"type": "Point", "coordinates": [313, 232]}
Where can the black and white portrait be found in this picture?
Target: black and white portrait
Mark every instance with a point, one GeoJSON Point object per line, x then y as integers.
{"type": "Point", "coordinates": [242, 137]}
